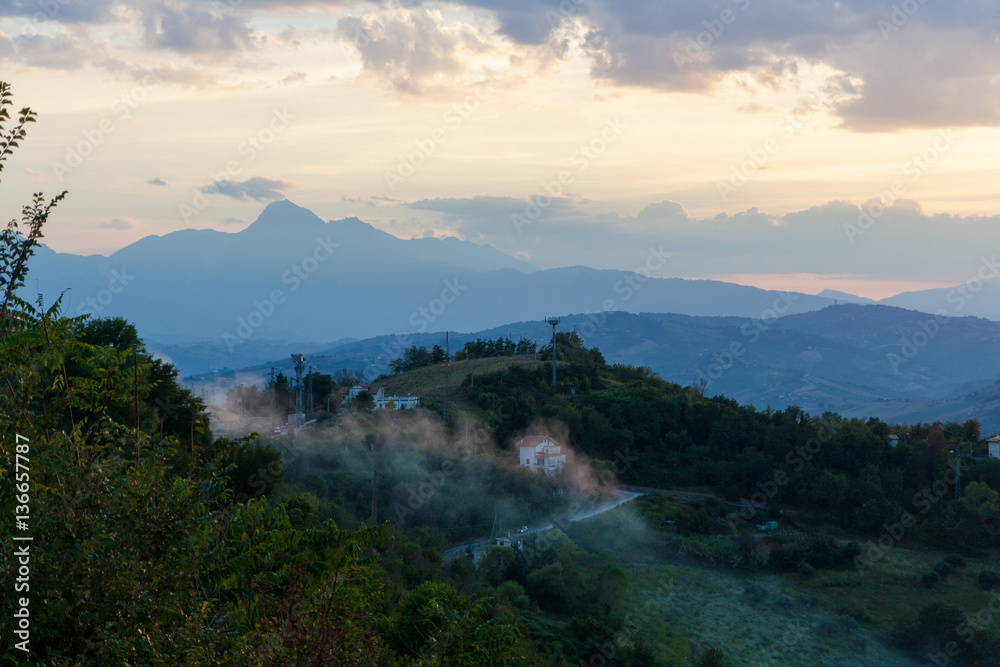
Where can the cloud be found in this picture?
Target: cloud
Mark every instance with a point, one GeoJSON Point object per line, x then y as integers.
{"type": "Point", "coordinates": [59, 51]}
{"type": "Point", "coordinates": [930, 67]}
{"type": "Point", "coordinates": [190, 28]}
{"type": "Point", "coordinates": [63, 11]}
{"type": "Point", "coordinates": [869, 239]}
{"type": "Point", "coordinates": [293, 78]}
{"type": "Point", "coordinates": [891, 66]}
{"type": "Point", "coordinates": [377, 200]}
{"type": "Point", "coordinates": [256, 188]}
{"type": "Point", "coordinates": [119, 224]}
{"type": "Point", "coordinates": [410, 49]}
{"type": "Point", "coordinates": [157, 181]}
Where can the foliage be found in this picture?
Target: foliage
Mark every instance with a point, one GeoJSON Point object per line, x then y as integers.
{"type": "Point", "coordinates": [713, 657]}
{"type": "Point", "coordinates": [988, 580]}
{"type": "Point", "coordinates": [417, 357]}
{"type": "Point", "coordinates": [501, 347]}
{"type": "Point", "coordinates": [154, 544]}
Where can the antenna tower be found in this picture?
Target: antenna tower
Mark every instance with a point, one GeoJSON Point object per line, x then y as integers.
{"type": "Point", "coordinates": [553, 321]}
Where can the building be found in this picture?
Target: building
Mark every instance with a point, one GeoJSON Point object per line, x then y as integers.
{"type": "Point", "coordinates": [893, 440]}
{"type": "Point", "coordinates": [382, 402]}
{"type": "Point", "coordinates": [994, 447]}
{"type": "Point", "coordinates": [398, 403]}
{"type": "Point", "coordinates": [540, 452]}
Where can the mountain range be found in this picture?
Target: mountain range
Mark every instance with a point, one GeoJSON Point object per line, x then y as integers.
{"type": "Point", "coordinates": [291, 277]}
{"type": "Point", "coordinates": [351, 296]}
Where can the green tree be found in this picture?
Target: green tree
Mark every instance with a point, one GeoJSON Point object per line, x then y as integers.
{"type": "Point", "coordinates": [19, 240]}
{"type": "Point", "coordinates": [363, 402]}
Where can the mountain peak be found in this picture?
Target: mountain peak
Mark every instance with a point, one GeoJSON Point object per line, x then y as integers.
{"type": "Point", "coordinates": [285, 217]}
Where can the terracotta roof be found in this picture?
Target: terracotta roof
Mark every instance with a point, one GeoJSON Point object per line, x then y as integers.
{"type": "Point", "coordinates": [533, 440]}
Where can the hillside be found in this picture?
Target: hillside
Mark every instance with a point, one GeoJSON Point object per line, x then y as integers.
{"type": "Point", "coordinates": [853, 359]}
{"type": "Point", "coordinates": [442, 381]}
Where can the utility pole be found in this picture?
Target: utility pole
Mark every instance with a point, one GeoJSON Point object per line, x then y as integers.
{"type": "Point", "coordinates": [310, 377]}
{"type": "Point", "coordinates": [274, 398]}
{"type": "Point", "coordinates": [135, 387]}
{"type": "Point", "coordinates": [374, 515]}
{"type": "Point", "coordinates": [553, 321]}
{"type": "Point", "coordinates": [958, 473]}
{"type": "Point", "coordinates": [300, 365]}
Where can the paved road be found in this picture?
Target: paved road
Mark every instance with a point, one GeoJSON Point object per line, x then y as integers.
{"type": "Point", "coordinates": [623, 497]}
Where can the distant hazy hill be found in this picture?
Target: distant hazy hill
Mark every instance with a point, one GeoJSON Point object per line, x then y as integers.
{"type": "Point", "coordinates": [854, 359]}
{"type": "Point", "coordinates": [292, 278]}
{"type": "Point", "coordinates": [977, 297]}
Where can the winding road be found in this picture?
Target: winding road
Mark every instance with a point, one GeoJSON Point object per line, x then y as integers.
{"type": "Point", "coordinates": [478, 545]}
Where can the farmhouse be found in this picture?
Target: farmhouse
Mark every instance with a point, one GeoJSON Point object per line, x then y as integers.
{"type": "Point", "coordinates": [540, 452]}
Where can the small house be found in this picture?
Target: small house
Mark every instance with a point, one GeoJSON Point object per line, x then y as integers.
{"type": "Point", "coordinates": [993, 445]}
{"type": "Point", "coordinates": [540, 452]}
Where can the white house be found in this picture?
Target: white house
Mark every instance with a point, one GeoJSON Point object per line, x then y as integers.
{"type": "Point", "coordinates": [540, 452]}
{"type": "Point", "coordinates": [994, 447]}
{"type": "Point", "coordinates": [398, 403]}
{"type": "Point", "coordinates": [893, 440]}
{"type": "Point", "coordinates": [382, 402]}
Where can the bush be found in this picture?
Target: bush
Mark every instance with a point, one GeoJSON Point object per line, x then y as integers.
{"type": "Point", "coordinates": [940, 620]}
{"type": "Point", "coordinates": [713, 657]}
{"type": "Point", "coordinates": [955, 561]}
{"type": "Point", "coordinates": [805, 569]}
{"type": "Point", "coordinates": [988, 580]}
{"type": "Point", "coordinates": [943, 569]}
{"type": "Point", "coordinates": [931, 579]}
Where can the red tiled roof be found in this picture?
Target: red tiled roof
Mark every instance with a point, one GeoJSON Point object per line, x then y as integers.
{"type": "Point", "coordinates": [533, 440]}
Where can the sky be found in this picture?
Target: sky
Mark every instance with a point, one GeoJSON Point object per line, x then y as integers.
{"type": "Point", "coordinates": [789, 145]}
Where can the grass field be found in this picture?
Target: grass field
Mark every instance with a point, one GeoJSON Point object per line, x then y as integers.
{"type": "Point", "coordinates": [441, 381]}
{"type": "Point", "coordinates": [761, 618]}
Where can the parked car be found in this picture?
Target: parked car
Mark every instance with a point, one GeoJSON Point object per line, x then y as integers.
{"type": "Point", "coordinates": [522, 529]}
